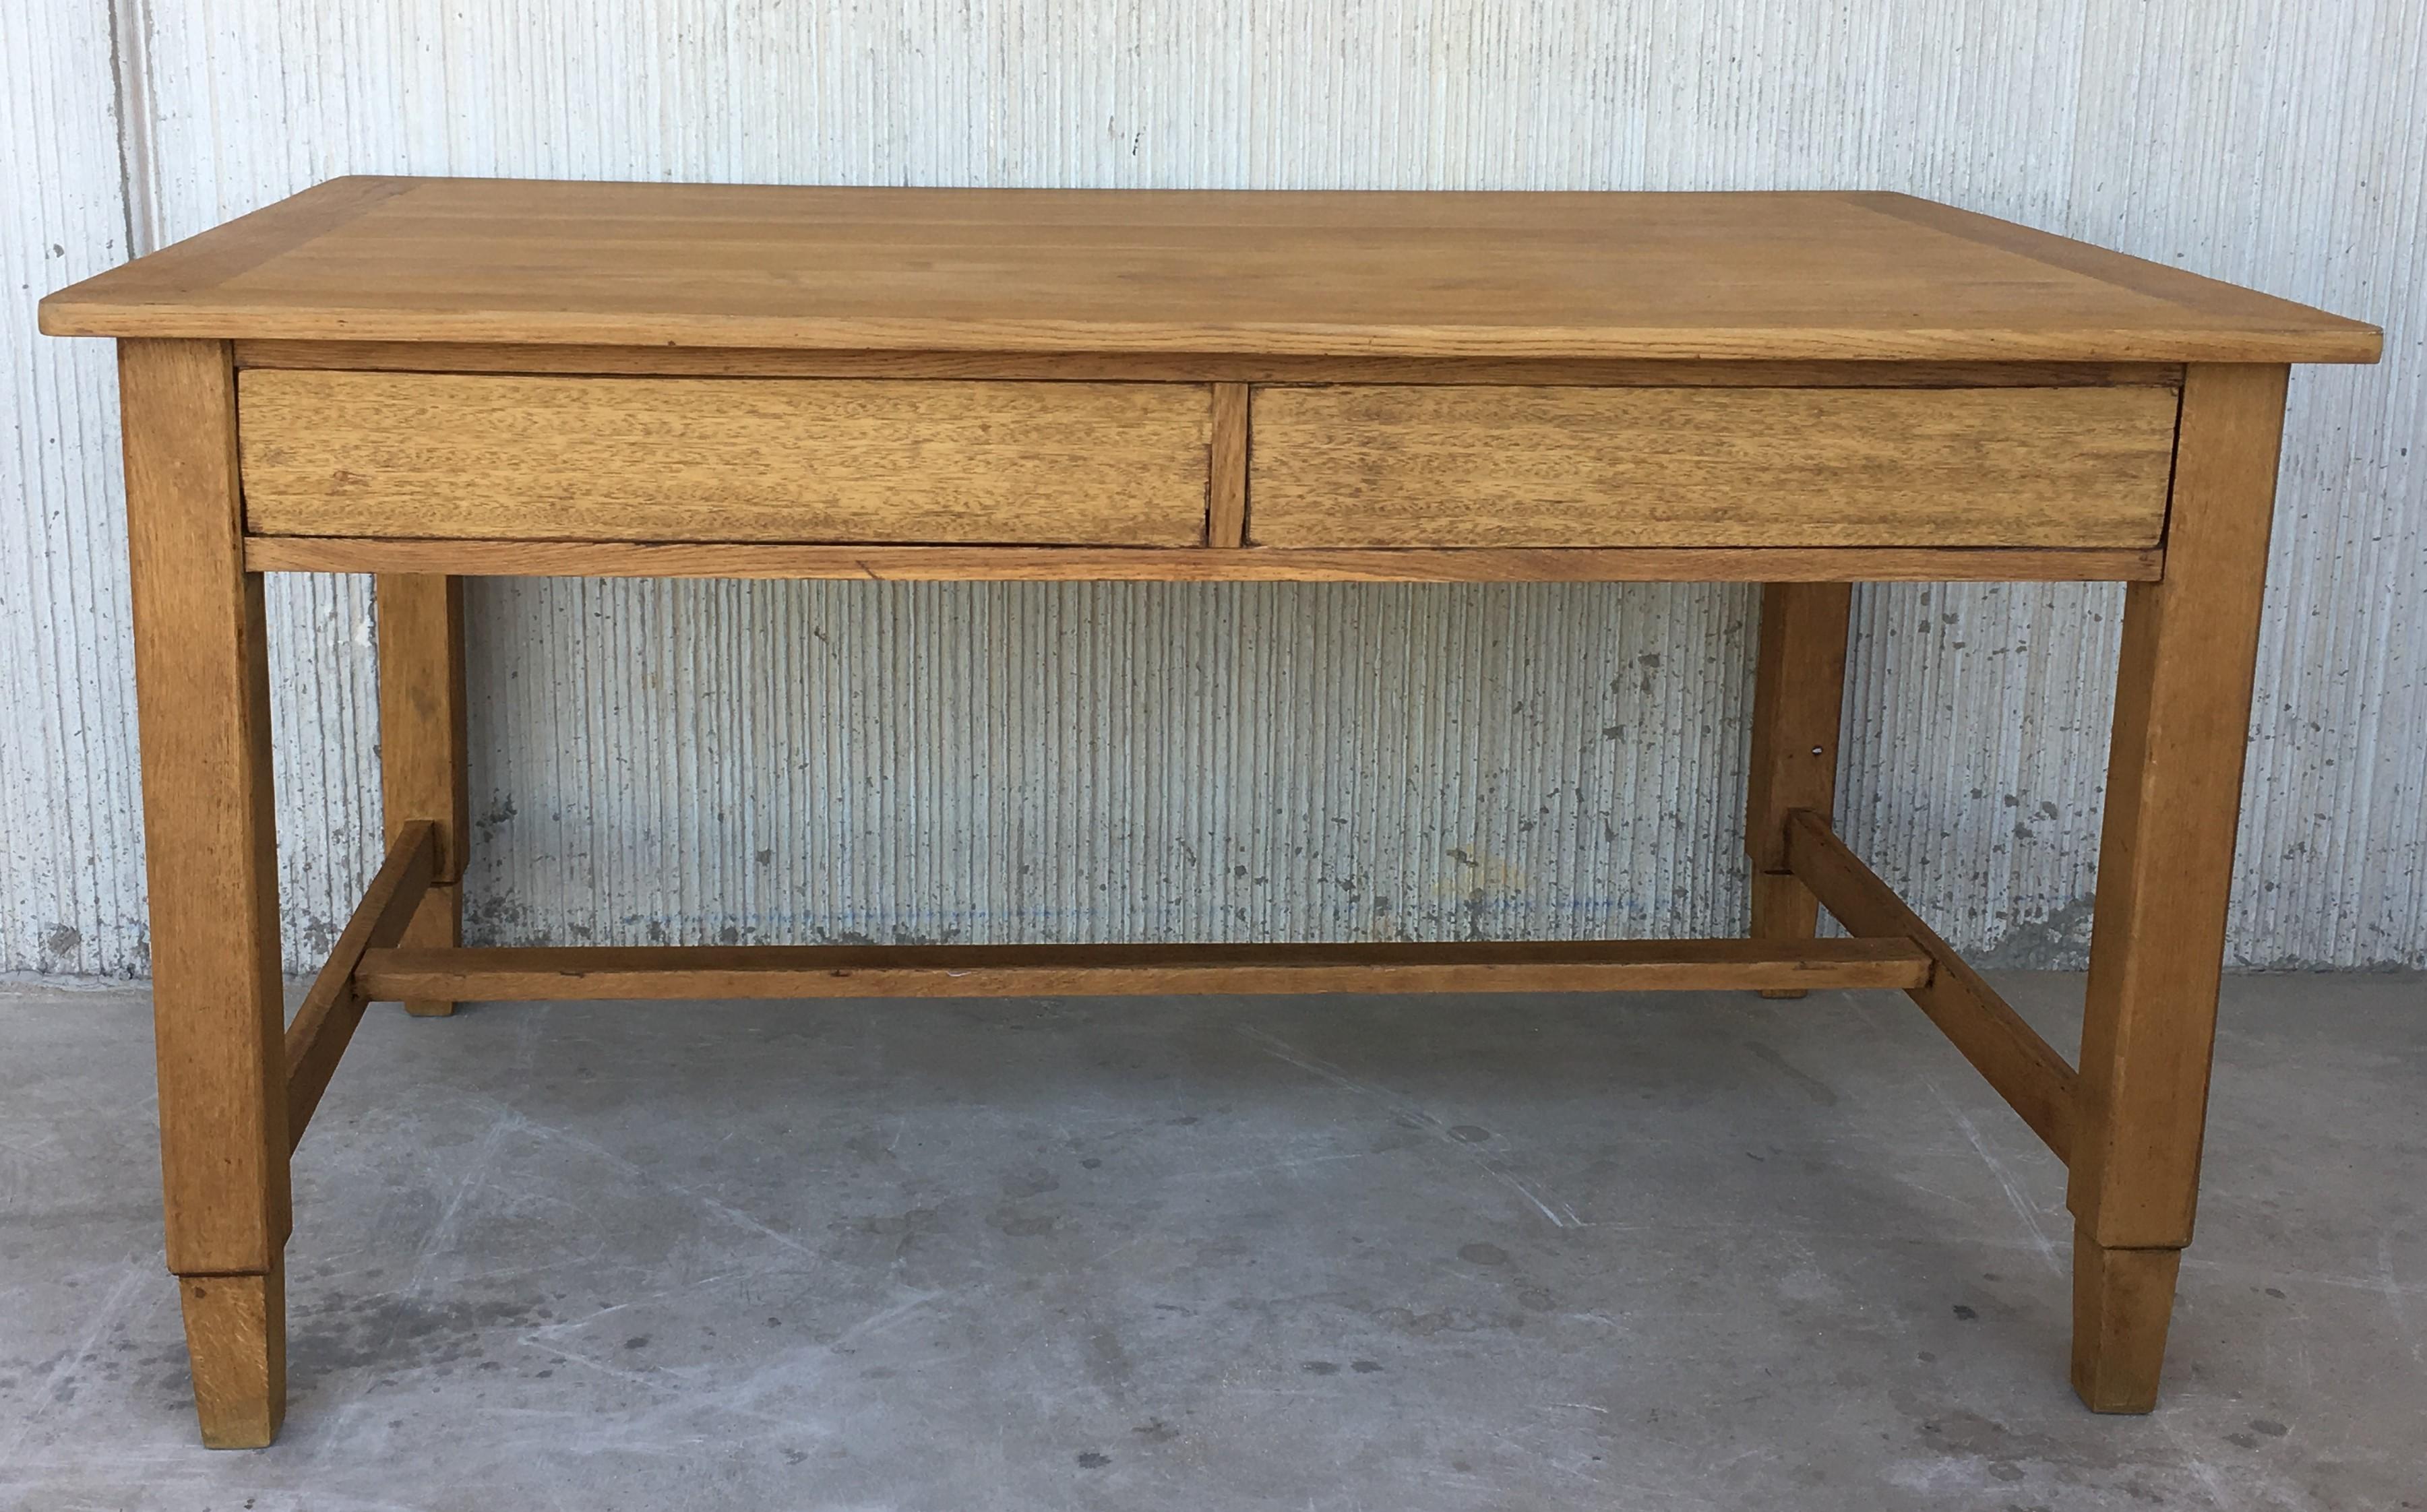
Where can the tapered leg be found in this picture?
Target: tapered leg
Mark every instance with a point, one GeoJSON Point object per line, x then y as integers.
{"type": "Point", "coordinates": [2165, 866]}
{"type": "Point", "coordinates": [2123, 1300]}
{"type": "Point", "coordinates": [235, 1335]}
{"type": "Point", "coordinates": [202, 702]}
{"type": "Point", "coordinates": [1798, 703]}
{"type": "Point", "coordinates": [423, 743]}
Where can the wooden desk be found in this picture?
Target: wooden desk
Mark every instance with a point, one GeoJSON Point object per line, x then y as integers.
{"type": "Point", "coordinates": [432, 379]}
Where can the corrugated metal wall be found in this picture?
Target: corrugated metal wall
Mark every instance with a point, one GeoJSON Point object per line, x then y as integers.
{"type": "Point", "coordinates": [827, 761]}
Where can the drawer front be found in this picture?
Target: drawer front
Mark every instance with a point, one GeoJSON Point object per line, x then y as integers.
{"type": "Point", "coordinates": [505, 457]}
{"type": "Point", "coordinates": [1388, 465]}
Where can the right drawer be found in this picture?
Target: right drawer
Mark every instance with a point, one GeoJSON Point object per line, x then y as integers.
{"type": "Point", "coordinates": [1458, 466]}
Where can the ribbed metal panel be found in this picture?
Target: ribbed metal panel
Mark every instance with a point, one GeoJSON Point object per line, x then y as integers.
{"type": "Point", "coordinates": [837, 761]}
{"type": "Point", "coordinates": [807, 761]}
{"type": "Point", "coordinates": [71, 841]}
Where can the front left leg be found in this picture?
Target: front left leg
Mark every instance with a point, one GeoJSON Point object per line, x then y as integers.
{"type": "Point", "coordinates": [201, 686]}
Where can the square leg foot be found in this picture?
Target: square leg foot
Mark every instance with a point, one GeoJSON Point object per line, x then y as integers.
{"type": "Point", "coordinates": [2122, 1301]}
{"type": "Point", "coordinates": [236, 1336]}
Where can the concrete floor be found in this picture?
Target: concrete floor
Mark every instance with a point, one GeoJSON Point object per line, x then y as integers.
{"type": "Point", "coordinates": [1663, 1252]}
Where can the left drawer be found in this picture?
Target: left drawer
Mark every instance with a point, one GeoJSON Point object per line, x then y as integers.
{"type": "Point", "coordinates": [851, 460]}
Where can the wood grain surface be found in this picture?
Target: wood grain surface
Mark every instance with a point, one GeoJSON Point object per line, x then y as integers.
{"type": "Point", "coordinates": [1752, 275]}
{"type": "Point", "coordinates": [2123, 1301]}
{"type": "Point", "coordinates": [670, 459]}
{"type": "Point", "coordinates": [1798, 703]}
{"type": "Point", "coordinates": [235, 1342]}
{"type": "Point", "coordinates": [425, 743]}
{"type": "Point", "coordinates": [1429, 465]}
{"type": "Point", "coordinates": [1226, 510]}
{"type": "Point", "coordinates": [576, 972]}
{"type": "Point", "coordinates": [202, 697]}
{"type": "Point", "coordinates": [612, 559]}
{"type": "Point", "coordinates": [2174, 791]}
{"type": "Point", "coordinates": [1190, 366]}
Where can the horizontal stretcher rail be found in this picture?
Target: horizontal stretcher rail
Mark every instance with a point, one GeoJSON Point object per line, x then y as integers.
{"type": "Point", "coordinates": [2034, 1079]}
{"type": "Point", "coordinates": [1404, 564]}
{"type": "Point", "coordinates": [1038, 971]}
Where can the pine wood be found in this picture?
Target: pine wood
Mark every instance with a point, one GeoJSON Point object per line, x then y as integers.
{"type": "Point", "coordinates": [1798, 714]}
{"type": "Point", "coordinates": [1826, 275]}
{"type": "Point", "coordinates": [235, 1337]}
{"type": "Point", "coordinates": [1226, 514]}
{"type": "Point", "coordinates": [563, 973]}
{"type": "Point", "coordinates": [597, 558]}
{"type": "Point", "coordinates": [2123, 1300]}
{"type": "Point", "coordinates": [202, 705]}
{"type": "Point", "coordinates": [324, 1025]}
{"type": "Point", "coordinates": [425, 745]}
{"type": "Point", "coordinates": [507, 457]}
{"type": "Point", "coordinates": [435, 378]}
{"type": "Point", "coordinates": [1187, 367]}
{"type": "Point", "coordinates": [2165, 862]}
{"type": "Point", "coordinates": [1412, 466]}
{"type": "Point", "coordinates": [2026, 1071]}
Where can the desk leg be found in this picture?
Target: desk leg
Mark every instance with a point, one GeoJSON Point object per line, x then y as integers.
{"type": "Point", "coordinates": [1798, 709]}
{"type": "Point", "coordinates": [422, 742]}
{"type": "Point", "coordinates": [201, 686]}
{"type": "Point", "coordinates": [2165, 864]}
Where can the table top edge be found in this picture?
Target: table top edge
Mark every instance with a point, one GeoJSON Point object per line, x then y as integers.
{"type": "Point", "coordinates": [180, 292]}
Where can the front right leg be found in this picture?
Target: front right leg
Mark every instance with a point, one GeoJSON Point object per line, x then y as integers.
{"type": "Point", "coordinates": [2165, 877]}
{"type": "Point", "coordinates": [202, 700]}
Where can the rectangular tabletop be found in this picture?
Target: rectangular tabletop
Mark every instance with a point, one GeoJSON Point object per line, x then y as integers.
{"type": "Point", "coordinates": [1781, 276]}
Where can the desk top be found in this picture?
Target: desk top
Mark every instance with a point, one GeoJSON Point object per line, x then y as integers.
{"type": "Point", "coordinates": [1787, 276]}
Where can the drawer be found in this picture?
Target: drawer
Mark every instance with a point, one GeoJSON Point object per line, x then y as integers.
{"type": "Point", "coordinates": [1391, 466]}
{"type": "Point", "coordinates": [479, 457]}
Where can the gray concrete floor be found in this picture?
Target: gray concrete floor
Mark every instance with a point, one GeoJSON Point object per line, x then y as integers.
{"type": "Point", "coordinates": [1660, 1252]}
